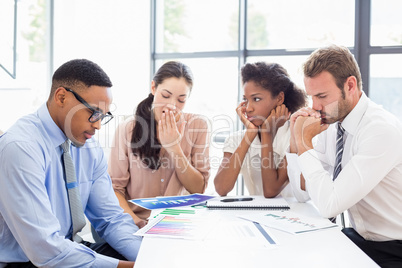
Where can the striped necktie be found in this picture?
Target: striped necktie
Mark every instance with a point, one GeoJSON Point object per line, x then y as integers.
{"type": "Point", "coordinates": [338, 162]}
{"type": "Point", "coordinates": [77, 213]}
{"type": "Point", "coordinates": [339, 151]}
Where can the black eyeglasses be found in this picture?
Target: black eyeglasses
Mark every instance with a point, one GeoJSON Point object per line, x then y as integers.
{"type": "Point", "coordinates": [96, 114]}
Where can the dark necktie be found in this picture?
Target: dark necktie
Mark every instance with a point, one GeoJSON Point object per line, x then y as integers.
{"type": "Point", "coordinates": [77, 213]}
{"type": "Point", "coordinates": [338, 161]}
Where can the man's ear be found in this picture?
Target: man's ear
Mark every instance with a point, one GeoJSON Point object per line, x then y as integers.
{"type": "Point", "coordinates": [351, 84]}
{"type": "Point", "coordinates": [59, 96]}
{"type": "Point", "coordinates": [280, 98]}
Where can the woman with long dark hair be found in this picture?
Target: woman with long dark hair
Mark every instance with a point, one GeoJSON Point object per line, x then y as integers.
{"type": "Point", "coordinates": [258, 151]}
{"type": "Point", "coordinates": [161, 151]}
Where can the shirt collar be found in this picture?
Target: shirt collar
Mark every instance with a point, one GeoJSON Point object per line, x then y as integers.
{"type": "Point", "coordinates": [352, 120]}
{"type": "Point", "coordinates": [56, 135]}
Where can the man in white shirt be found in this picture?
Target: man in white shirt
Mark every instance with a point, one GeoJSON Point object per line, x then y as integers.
{"type": "Point", "coordinates": [369, 184]}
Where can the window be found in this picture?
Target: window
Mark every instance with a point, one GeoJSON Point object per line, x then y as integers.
{"type": "Point", "coordinates": [184, 26]}
{"type": "Point", "coordinates": [115, 35]}
{"type": "Point", "coordinates": [386, 82]}
{"type": "Point", "coordinates": [8, 28]}
{"type": "Point", "coordinates": [29, 88]}
{"type": "Point", "coordinates": [386, 23]}
{"type": "Point", "coordinates": [292, 24]}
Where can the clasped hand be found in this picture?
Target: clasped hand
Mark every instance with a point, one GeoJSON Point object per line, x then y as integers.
{"type": "Point", "coordinates": [304, 125]}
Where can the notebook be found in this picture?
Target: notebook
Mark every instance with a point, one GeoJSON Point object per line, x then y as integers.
{"type": "Point", "coordinates": [253, 202]}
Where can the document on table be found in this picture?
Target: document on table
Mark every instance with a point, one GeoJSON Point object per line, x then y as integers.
{"type": "Point", "coordinates": [200, 224]}
{"type": "Point", "coordinates": [175, 223]}
{"type": "Point", "coordinates": [171, 201]}
{"type": "Point", "coordinates": [240, 233]}
{"type": "Point", "coordinates": [290, 222]}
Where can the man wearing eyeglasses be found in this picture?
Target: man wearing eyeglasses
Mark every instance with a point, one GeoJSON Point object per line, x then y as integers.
{"type": "Point", "coordinates": [38, 217]}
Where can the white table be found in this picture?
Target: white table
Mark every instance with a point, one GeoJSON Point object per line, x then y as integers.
{"type": "Point", "coordinates": [323, 248]}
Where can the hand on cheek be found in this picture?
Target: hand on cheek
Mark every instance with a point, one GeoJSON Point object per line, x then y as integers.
{"type": "Point", "coordinates": [241, 112]}
{"type": "Point", "coordinates": [276, 119]}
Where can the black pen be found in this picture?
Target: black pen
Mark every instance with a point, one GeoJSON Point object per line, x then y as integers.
{"type": "Point", "coordinates": [237, 199]}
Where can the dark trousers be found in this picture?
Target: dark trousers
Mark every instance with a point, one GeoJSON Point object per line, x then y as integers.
{"type": "Point", "coordinates": [101, 248]}
{"type": "Point", "coordinates": [385, 254]}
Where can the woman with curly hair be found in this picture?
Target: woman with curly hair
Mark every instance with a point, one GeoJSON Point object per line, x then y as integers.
{"type": "Point", "coordinates": [258, 151]}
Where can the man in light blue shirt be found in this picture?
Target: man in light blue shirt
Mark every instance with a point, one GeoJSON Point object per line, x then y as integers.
{"type": "Point", "coordinates": [35, 218]}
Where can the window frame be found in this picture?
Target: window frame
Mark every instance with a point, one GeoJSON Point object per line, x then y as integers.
{"type": "Point", "coordinates": [13, 72]}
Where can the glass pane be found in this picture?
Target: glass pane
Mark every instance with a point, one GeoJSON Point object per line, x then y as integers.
{"type": "Point", "coordinates": [25, 93]}
{"type": "Point", "coordinates": [293, 64]}
{"type": "Point", "coordinates": [278, 24]}
{"type": "Point", "coordinates": [115, 35]}
{"type": "Point", "coordinates": [386, 82]}
{"type": "Point", "coordinates": [214, 95]}
{"type": "Point", "coordinates": [386, 23]}
{"type": "Point", "coordinates": [7, 36]}
{"type": "Point", "coordinates": [193, 25]}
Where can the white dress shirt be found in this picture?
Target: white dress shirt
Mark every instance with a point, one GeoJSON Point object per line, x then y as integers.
{"type": "Point", "coordinates": [251, 166]}
{"type": "Point", "coordinates": [370, 183]}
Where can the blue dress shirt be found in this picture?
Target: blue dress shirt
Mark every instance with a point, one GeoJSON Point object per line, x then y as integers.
{"type": "Point", "coordinates": [35, 220]}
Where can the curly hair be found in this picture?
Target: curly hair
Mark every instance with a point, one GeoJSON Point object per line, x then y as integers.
{"type": "Point", "coordinates": [274, 78]}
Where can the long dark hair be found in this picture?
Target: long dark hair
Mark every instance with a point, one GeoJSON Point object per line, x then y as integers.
{"type": "Point", "coordinates": [144, 141]}
{"type": "Point", "coordinates": [274, 78]}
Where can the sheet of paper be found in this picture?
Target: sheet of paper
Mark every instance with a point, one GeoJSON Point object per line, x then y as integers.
{"type": "Point", "coordinates": [183, 225]}
{"type": "Point", "coordinates": [289, 221]}
{"type": "Point", "coordinates": [240, 234]}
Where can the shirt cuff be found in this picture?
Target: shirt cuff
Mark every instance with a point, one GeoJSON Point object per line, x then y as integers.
{"type": "Point", "coordinates": [309, 163]}
{"type": "Point", "coordinates": [294, 173]}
